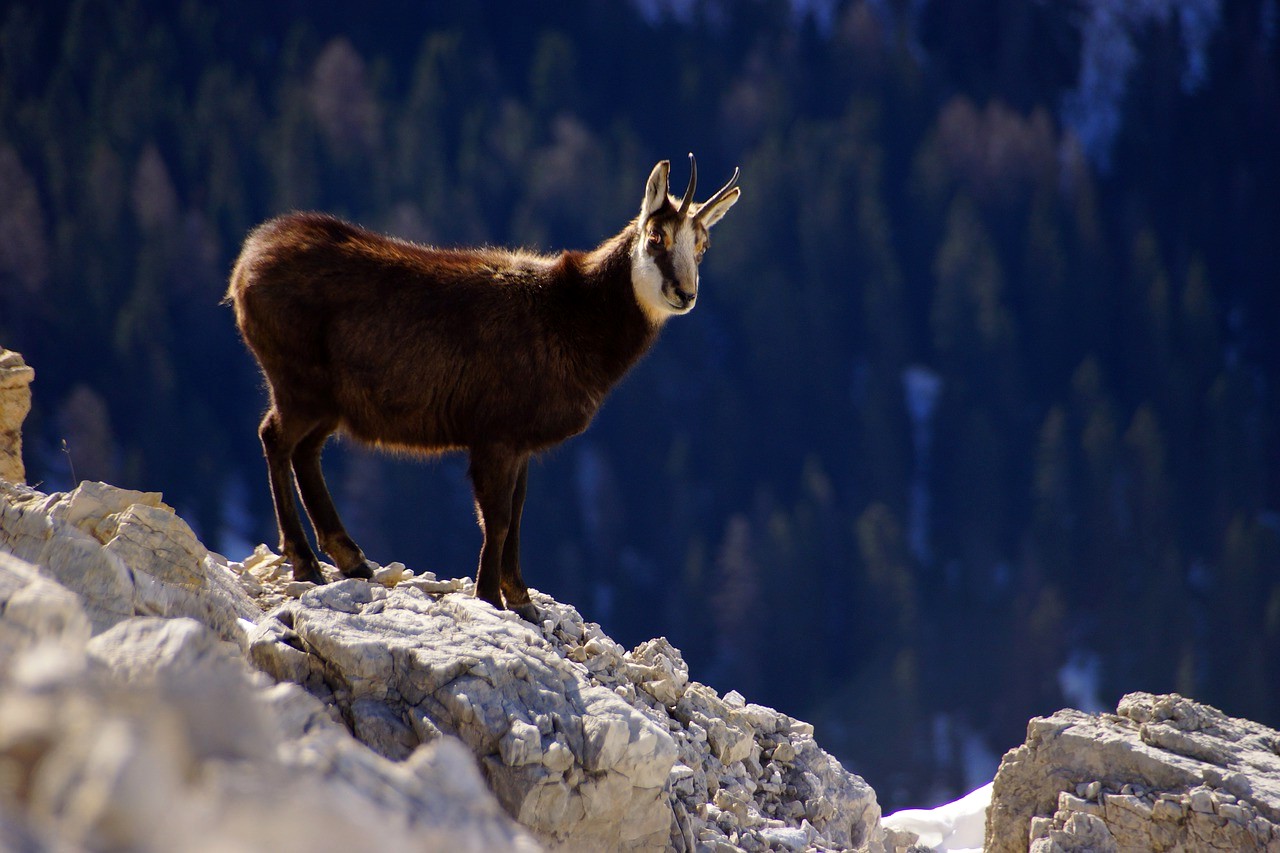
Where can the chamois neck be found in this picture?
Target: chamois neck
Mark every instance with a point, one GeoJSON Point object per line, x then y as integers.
{"type": "Point", "coordinates": [611, 260]}
{"type": "Point", "coordinates": [610, 329]}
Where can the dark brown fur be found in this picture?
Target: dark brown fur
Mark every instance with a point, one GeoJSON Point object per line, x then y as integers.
{"type": "Point", "coordinates": [501, 354]}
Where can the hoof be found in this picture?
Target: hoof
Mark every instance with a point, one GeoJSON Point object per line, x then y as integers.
{"type": "Point", "coordinates": [308, 572]}
{"type": "Point", "coordinates": [360, 570]}
{"type": "Point", "coordinates": [527, 612]}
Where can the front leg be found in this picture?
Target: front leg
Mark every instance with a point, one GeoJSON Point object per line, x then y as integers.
{"type": "Point", "coordinates": [495, 471]}
{"type": "Point", "coordinates": [514, 591]}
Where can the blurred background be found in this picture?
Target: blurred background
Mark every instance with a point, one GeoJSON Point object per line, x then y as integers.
{"type": "Point", "coordinates": [977, 416]}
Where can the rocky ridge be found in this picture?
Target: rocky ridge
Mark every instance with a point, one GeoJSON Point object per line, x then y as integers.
{"type": "Point", "coordinates": [155, 735]}
{"type": "Point", "coordinates": [587, 745]}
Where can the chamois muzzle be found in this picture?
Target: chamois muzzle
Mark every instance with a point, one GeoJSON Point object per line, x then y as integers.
{"type": "Point", "coordinates": [683, 300]}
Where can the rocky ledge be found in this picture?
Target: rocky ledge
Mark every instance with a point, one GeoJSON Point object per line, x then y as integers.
{"type": "Point", "coordinates": [151, 690]}
{"type": "Point", "coordinates": [1162, 773]}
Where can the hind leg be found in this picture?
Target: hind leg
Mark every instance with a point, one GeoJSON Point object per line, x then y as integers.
{"type": "Point", "coordinates": [494, 472]}
{"type": "Point", "coordinates": [278, 443]}
{"type": "Point", "coordinates": [514, 592]}
{"type": "Point", "coordinates": [330, 533]}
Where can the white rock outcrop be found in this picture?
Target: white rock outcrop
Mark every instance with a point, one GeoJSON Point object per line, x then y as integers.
{"type": "Point", "coordinates": [155, 735]}
{"type": "Point", "coordinates": [403, 708]}
{"type": "Point", "coordinates": [15, 402]}
{"type": "Point", "coordinates": [589, 745]}
{"type": "Point", "coordinates": [125, 553]}
{"type": "Point", "coordinates": [1162, 773]}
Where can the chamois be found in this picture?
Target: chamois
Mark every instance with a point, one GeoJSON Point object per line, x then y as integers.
{"type": "Point", "coordinates": [409, 347]}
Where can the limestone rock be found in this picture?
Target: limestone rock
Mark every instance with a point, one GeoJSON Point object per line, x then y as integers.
{"type": "Point", "coordinates": [587, 744]}
{"type": "Point", "coordinates": [1162, 773]}
{"type": "Point", "coordinates": [156, 735]}
{"type": "Point", "coordinates": [36, 609]}
{"type": "Point", "coordinates": [385, 688]}
{"type": "Point", "coordinates": [15, 403]}
{"type": "Point", "coordinates": [571, 760]}
{"type": "Point", "coordinates": [124, 553]}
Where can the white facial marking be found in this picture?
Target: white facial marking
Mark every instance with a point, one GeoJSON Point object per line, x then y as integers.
{"type": "Point", "coordinates": [682, 257]}
{"type": "Point", "coordinates": [646, 281]}
{"type": "Point", "coordinates": [658, 297]}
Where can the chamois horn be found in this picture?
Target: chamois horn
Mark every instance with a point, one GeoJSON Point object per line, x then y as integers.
{"type": "Point", "coordinates": [706, 205]}
{"type": "Point", "coordinates": [693, 183]}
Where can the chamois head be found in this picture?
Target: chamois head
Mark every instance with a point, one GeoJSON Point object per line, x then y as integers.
{"type": "Point", "coordinates": [671, 237]}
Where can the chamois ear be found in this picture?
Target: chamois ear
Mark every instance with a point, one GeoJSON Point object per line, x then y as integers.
{"type": "Point", "coordinates": [655, 192]}
{"type": "Point", "coordinates": [711, 212]}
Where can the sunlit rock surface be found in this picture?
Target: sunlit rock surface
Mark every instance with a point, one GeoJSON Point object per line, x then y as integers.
{"type": "Point", "coordinates": [155, 734]}
{"type": "Point", "coordinates": [221, 696]}
{"type": "Point", "coordinates": [1163, 773]}
{"type": "Point", "coordinates": [15, 402]}
{"type": "Point", "coordinates": [589, 745]}
{"type": "Point", "coordinates": [124, 553]}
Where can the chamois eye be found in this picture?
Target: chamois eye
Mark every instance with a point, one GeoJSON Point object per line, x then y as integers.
{"type": "Point", "coordinates": [655, 238]}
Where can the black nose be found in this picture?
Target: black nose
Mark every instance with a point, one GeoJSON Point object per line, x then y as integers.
{"type": "Point", "coordinates": [685, 298]}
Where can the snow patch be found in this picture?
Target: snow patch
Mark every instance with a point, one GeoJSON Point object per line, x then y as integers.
{"type": "Point", "coordinates": [957, 827]}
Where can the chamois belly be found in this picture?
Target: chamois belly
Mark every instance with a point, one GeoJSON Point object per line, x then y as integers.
{"type": "Point", "coordinates": [459, 412]}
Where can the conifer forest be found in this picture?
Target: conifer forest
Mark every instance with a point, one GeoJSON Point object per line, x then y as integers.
{"type": "Point", "coordinates": [978, 414]}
